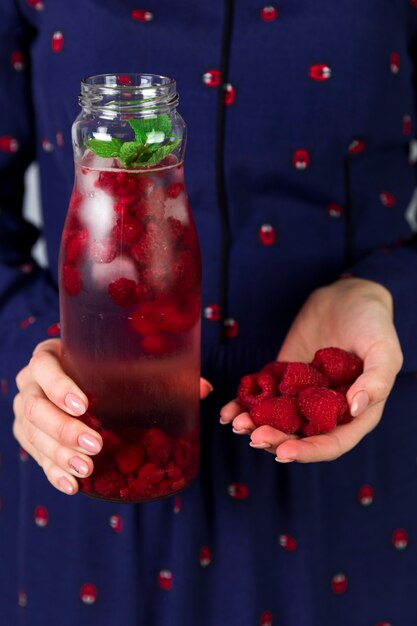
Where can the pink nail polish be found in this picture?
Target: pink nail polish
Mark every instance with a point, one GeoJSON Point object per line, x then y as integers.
{"type": "Point", "coordinates": [89, 443]}
{"type": "Point", "coordinates": [284, 460]}
{"type": "Point", "coordinates": [360, 403]}
{"type": "Point", "coordinates": [78, 465]}
{"type": "Point", "coordinates": [74, 403]}
{"type": "Point", "coordinates": [65, 485]}
{"type": "Point", "coordinates": [261, 446]}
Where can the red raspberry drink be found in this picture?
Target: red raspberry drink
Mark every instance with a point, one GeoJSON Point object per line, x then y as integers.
{"type": "Point", "coordinates": [130, 285]}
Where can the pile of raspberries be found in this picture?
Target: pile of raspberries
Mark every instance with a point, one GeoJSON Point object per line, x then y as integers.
{"type": "Point", "coordinates": [302, 398]}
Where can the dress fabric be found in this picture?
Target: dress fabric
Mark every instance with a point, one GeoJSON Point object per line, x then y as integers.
{"type": "Point", "coordinates": [300, 168]}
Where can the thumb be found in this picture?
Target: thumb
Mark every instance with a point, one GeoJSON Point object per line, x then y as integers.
{"type": "Point", "coordinates": [382, 362]}
{"type": "Point", "coordinates": [205, 388]}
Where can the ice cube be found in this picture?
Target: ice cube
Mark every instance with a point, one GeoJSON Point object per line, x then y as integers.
{"type": "Point", "coordinates": [97, 213]}
{"type": "Point", "coordinates": [104, 273]}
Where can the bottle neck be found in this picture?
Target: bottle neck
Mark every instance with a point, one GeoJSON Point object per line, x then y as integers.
{"type": "Point", "coordinates": [141, 95]}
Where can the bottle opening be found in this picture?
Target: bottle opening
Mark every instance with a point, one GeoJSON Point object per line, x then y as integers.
{"type": "Point", "coordinates": [128, 93]}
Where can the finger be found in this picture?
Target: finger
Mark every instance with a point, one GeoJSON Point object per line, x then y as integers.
{"type": "Point", "coordinates": [230, 411]}
{"type": "Point", "coordinates": [268, 438]}
{"type": "Point", "coordinates": [382, 362]}
{"type": "Point", "coordinates": [205, 388]}
{"type": "Point", "coordinates": [242, 424]}
{"type": "Point", "coordinates": [33, 407]}
{"type": "Point", "coordinates": [47, 450]}
{"type": "Point", "coordinates": [332, 445]}
{"type": "Point", "coordinates": [45, 367]}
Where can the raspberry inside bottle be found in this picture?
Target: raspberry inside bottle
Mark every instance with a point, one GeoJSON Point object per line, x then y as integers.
{"type": "Point", "coordinates": [130, 288]}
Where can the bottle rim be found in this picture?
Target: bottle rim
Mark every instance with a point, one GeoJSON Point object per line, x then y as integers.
{"type": "Point", "coordinates": [141, 93]}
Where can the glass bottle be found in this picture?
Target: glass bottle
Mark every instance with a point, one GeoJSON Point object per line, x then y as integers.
{"type": "Point", "coordinates": [130, 288]}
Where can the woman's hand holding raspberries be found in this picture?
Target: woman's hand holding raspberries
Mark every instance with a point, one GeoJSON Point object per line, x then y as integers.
{"type": "Point", "coordinates": [317, 401]}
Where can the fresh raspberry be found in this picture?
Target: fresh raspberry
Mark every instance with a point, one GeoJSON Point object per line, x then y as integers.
{"type": "Point", "coordinates": [108, 484]}
{"type": "Point", "coordinates": [110, 440]}
{"type": "Point", "coordinates": [299, 376]}
{"type": "Point", "coordinates": [157, 446]}
{"type": "Point", "coordinates": [125, 205]}
{"type": "Point", "coordinates": [145, 485]}
{"type": "Point", "coordinates": [103, 250]}
{"type": "Point", "coordinates": [322, 407]}
{"type": "Point", "coordinates": [185, 455]}
{"type": "Point", "coordinates": [158, 345]}
{"type": "Point", "coordinates": [281, 413]}
{"type": "Point", "coordinates": [129, 458]}
{"type": "Point", "coordinates": [127, 230]}
{"type": "Point", "coordinates": [173, 472]}
{"type": "Point", "coordinates": [152, 247]}
{"type": "Point", "coordinates": [76, 247]}
{"type": "Point", "coordinates": [276, 369]}
{"type": "Point", "coordinates": [127, 184]}
{"type": "Point", "coordinates": [255, 388]}
{"type": "Point", "coordinates": [185, 270]}
{"type": "Point", "coordinates": [123, 292]}
{"type": "Point", "coordinates": [107, 181]}
{"type": "Point", "coordinates": [71, 279]}
{"type": "Point", "coordinates": [340, 367]}
{"type": "Point", "coordinates": [174, 190]}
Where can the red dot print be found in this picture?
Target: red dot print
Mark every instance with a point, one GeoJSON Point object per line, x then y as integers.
{"type": "Point", "coordinates": [407, 125]}
{"type": "Point", "coordinates": [27, 322]}
{"type": "Point", "coordinates": [267, 235]}
{"type": "Point", "coordinates": [22, 599]}
{"type": "Point", "coordinates": [366, 495]}
{"type": "Point", "coordinates": [4, 387]}
{"type": "Point", "coordinates": [334, 210]}
{"type": "Point", "coordinates": [212, 312]}
{"type": "Point", "coordinates": [339, 583]}
{"type": "Point", "coordinates": [116, 523]}
{"type": "Point", "coordinates": [287, 542]}
{"type": "Point", "coordinates": [212, 78]}
{"type": "Point", "coordinates": [47, 145]}
{"type": "Point", "coordinates": [383, 624]}
{"type": "Point", "coordinates": [400, 539]}
{"type": "Point", "coordinates": [177, 505]}
{"type": "Point", "coordinates": [266, 619]}
{"type": "Point", "coordinates": [23, 455]}
{"type": "Point", "coordinates": [231, 328]}
{"type": "Point", "coordinates": [238, 491]}
{"type": "Point", "coordinates": [26, 268]}
{"type": "Point", "coordinates": [356, 146]}
{"type": "Point", "coordinates": [36, 4]}
{"type": "Point", "coordinates": [301, 159]}
{"type": "Point", "coordinates": [387, 199]}
{"type": "Point", "coordinates": [229, 94]}
{"type": "Point", "coordinates": [124, 80]}
{"type": "Point", "coordinates": [54, 329]}
{"type": "Point", "coordinates": [269, 14]}
{"type": "Point", "coordinates": [165, 579]}
{"type": "Point", "coordinates": [141, 15]}
{"type": "Point", "coordinates": [205, 556]}
{"type": "Point", "coordinates": [57, 42]}
{"type": "Point", "coordinates": [41, 516]}
{"type": "Point", "coordinates": [88, 593]}
{"type": "Point", "coordinates": [8, 144]}
{"type": "Point", "coordinates": [320, 72]}
{"type": "Point", "coordinates": [59, 139]}
{"type": "Point", "coordinates": [17, 60]}
{"type": "Point", "coordinates": [394, 62]}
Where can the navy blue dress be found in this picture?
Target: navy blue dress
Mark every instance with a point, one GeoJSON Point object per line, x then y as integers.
{"type": "Point", "coordinates": [300, 167]}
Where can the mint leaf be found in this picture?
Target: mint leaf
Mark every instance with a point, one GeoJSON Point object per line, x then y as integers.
{"type": "Point", "coordinates": [140, 132]}
{"type": "Point", "coordinates": [129, 152]}
{"type": "Point", "coordinates": [161, 153]}
{"type": "Point", "coordinates": [105, 149]}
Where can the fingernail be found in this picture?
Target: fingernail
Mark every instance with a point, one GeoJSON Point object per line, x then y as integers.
{"type": "Point", "coordinates": [262, 446]}
{"type": "Point", "coordinates": [78, 465]}
{"type": "Point", "coordinates": [283, 459]}
{"type": "Point", "coordinates": [89, 443]}
{"type": "Point", "coordinates": [65, 485]}
{"type": "Point", "coordinates": [241, 431]}
{"type": "Point", "coordinates": [223, 421]}
{"type": "Point", "coordinates": [210, 386]}
{"type": "Point", "coordinates": [74, 403]}
{"type": "Point", "coordinates": [360, 402]}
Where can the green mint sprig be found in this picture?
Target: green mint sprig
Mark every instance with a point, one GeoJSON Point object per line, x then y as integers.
{"type": "Point", "coordinates": [153, 142]}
